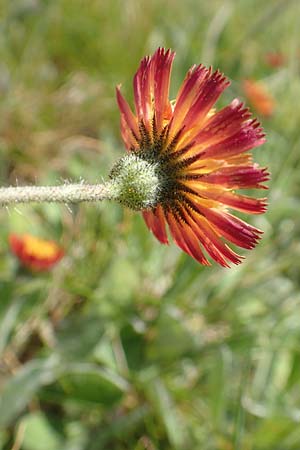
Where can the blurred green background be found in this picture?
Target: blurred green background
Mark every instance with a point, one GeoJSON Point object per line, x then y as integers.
{"type": "Point", "coordinates": [128, 344]}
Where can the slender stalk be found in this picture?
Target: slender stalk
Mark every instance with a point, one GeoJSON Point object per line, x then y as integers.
{"type": "Point", "coordinates": [133, 182]}
{"type": "Point", "coordinates": [67, 193]}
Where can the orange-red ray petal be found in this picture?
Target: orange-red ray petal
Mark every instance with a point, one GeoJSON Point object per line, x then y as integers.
{"type": "Point", "coordinates": [211, 89]}
{"type": "Point", "coordinates": [246, 138]}
{"type": "Point", "coordinates": [129, 126]}
{"type": "Point", "coordinates": [186, 239]}
{"type": "Point", "coordinates": [223, 123]}
{"type": "Point", "coordinates": [155, 221]}
{"type": "Point", "coordinates": [232, 228]}
{"type": "Point", "coordinates": [162, 63]}
{"type": "Point", "coordinates": [236, 201]}
{"type": "Point", "coordinates": [143, 95]}
{"type": "Point", "coordinates": [236, 177]}
{"type": "Point", "coordinates": [210, 240]}
{"type": "Point", "coordinates": [127, 136]}
{"type": "Point", "coordinates": [187, 94]}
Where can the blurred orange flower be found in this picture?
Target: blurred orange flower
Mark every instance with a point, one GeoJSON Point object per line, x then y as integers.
{"type": "Point", "coordinates": [257, 94]}
{"type": "Point", "coordinates": [34, 253]}
{"type": "Point", "coordinates": [274, 59]}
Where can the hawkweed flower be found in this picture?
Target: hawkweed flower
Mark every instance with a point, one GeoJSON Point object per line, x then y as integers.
{"type": "Point", "coordinates": [196, 158]}
{"type": "Point", "coordinates": [275, 59]}
{"type": "Point", "coordinates": [259, 97]}
{"type": "Point", "coordinates": [34, 253]}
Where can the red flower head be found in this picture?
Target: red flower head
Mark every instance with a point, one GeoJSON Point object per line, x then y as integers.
{"type": "Point", "coordinates": [200, 155]}
{"type": "Point", "coordinates": [34, 253]}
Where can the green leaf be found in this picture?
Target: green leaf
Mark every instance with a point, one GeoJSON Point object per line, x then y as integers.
{"type": "Point", "coordinates": [8, 321]}
{"type": "Point", "coordinates": [166, 409]}
{"type": "Point", "coordinates": [39, 434]}
{"type": "Point", "coordinates": [79, 335]}
{"type": "Point", "coordinates": [119, 428]}
{"type": "Point", "coordinates": [170, 329]}
{"type": "Point", "coordinates": [88, 383]}
{"type": "Point", "coordinates": [21, 388]}
{"type": "Point", "coordinates": [134, 346]}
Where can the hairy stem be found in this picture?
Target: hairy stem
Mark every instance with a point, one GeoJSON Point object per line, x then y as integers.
{"type": "Point", "coordinates": [67, 193]}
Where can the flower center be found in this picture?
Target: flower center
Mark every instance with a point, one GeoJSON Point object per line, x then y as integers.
{"type": "Point", "coordinates": [150, 174]}
{"type": "Point", "coordinates": [162, 150]}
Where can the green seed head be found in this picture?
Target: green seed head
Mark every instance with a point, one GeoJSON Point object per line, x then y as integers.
{"type": "Point", "coordinates": [135, 182]}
